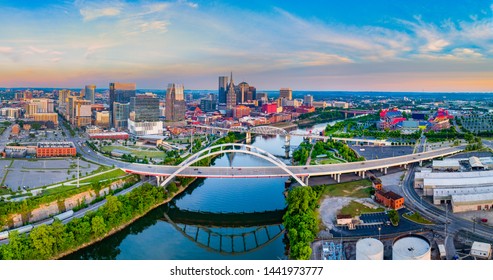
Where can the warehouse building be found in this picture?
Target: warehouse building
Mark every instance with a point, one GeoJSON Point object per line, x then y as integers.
{"type": "Point", "coordinates": [55, 149]}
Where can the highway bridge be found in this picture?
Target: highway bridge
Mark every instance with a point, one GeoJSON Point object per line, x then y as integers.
{"type": "Point", "coordinates": [301, 174]}
{"type": "Point", "coordinates": [273, 131]}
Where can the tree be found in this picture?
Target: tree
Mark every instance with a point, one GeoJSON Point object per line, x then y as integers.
{"type": "Point", "coordinates": [42, 241]}
{"type": "Point", "coordinates": [394, 217]}
{"type": "Point", "coordinates": [98, 226]}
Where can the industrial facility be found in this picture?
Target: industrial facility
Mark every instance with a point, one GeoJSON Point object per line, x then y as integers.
{"type": "Point", "coordinates": [466, 191]}
{"type": "Point", "coordinates": [411, 247]}
{"type": "Point", "coordinates": [369, 249]}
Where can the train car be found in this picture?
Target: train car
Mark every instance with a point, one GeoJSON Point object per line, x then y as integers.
{"type": "Point", "coordinates": [47, 222]}
{"type": "Point", "coordinates": [64, 215]}
{"type": "Point", "coordinates": [23, 229]}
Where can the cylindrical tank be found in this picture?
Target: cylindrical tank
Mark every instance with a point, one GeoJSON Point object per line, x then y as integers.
{"type": "Point", "coordinates": [411, 247]}
{"type": "Point", "coordinates": [369, 249]}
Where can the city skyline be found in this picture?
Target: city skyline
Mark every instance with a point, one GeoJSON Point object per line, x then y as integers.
{"type": "Point", "coordinates": [377, 46]}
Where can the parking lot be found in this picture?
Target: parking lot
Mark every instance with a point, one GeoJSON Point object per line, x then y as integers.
{"type": "Point", "coordinates": [20, 173]}
{"type": "Point", "coordinates": [375, 152]}
{"type": "Point", "coordinates": [374, 221]}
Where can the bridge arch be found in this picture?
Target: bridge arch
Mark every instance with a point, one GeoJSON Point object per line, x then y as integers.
{"type": "Point", "coordinates": [209, 152]}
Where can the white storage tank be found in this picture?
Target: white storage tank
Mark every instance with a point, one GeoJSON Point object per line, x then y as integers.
{"type": "Point", "coordinates": [411, 247]}
{"type": "Point", "coordinates": [369, 249]}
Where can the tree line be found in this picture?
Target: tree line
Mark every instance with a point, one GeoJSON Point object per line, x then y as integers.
{"type": "Point", "coordinates": [301, 221]}
{"type": "Point", "coordinates": [49, 241]}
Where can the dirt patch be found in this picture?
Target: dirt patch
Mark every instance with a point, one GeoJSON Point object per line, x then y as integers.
{"type": "Point", "coordinates": [329, 208]}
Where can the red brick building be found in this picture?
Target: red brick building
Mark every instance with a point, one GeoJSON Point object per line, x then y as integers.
{"type": "Point", "coordinates": [376, 183]}
{"type": "Point", "coordinates": [55, 149]}
{"type": "Point", "coordinates": [269, 108]}
{"type": "Point", "coordinates": [389, 199]}
{"type": "Point", "coordinates": [241, 111]}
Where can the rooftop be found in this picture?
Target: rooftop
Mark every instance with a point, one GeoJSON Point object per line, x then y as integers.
{"type": "Point", "coordinates": [472, 198]}
{"type": "Point", "coordinates": [56, 145]}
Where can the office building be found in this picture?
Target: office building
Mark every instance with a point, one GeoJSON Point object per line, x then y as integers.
{"type": "Point", "coordinates": [46, 117]}
{"type": "Point", "coordinates": [62, 97]}
{"type": "Point", "coordinates": [231, 95]}
{"type": "Point", "coordinates": [121, 93]}
{"type": "Point", "coordinates": [144, 115]}
{"type": "Point", "coordinates": [89, 93]}
{"type": "Point", "coordinates": [223, 86]}
{"type": "Point", "coordinates": [286, 93]}
{"type": "Point", "coordinates": [82, 113]}
{"type": "Point", "coordinates": [241, 111]}
{"type": "Point", "coordinates": [209, 104]}
{"type": "Point", "coordinates": [308, 100]}
{"type": "Point", "coordinates": [175, 103]}
{"type": "Point", "coordinates": [103, 119]}
{"type": "Point", "coordinates": [121, 113]}
{"type": "Point", "coordinates": [242, 92]}
{"type": "Point", "coordinates": [261, 96]}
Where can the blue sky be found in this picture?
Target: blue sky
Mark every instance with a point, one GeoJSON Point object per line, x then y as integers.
{"type": "Point", "coordinates": [316, 45]}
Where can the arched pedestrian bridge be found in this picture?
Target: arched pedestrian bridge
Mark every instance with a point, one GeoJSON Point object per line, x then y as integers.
{"type": "Point", "coordinates": [301, 174]}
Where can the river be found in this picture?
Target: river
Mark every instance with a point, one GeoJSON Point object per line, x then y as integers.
{"type": "Point", "coordinates": [212, 219]}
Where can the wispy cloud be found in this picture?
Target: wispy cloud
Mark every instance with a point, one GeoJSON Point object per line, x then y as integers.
{"type": "Point", "coordinates": [94, 10]}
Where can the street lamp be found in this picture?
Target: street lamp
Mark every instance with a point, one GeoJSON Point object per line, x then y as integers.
{"type": "Point", "coordinates": [379, 229]}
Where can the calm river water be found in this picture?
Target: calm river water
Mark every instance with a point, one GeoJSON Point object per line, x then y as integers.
{"type": "Point", "coordinates": [195, 224]}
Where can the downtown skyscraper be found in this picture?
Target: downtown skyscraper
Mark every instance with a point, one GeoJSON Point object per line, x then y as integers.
{"type": "Point", "coordinates": [120, 93]}
{"type": "Point", "coordinates": [175, 103]}
{"type": "Point", "coordinates": [89, 93]}
{"type": "Point", "coordinates": [223, 87]}
{"type": "Point", "coordinates": [231, 95]}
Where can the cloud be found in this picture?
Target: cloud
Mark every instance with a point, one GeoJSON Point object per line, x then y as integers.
{"type": "Point", "coordinates": [91, 10]}
{"type": "Point", "coordinates": [189, 4]}
{"type": "Point", "coordinates": [10, 53]}
{"type": "Point", "coordinates": [154, 25]}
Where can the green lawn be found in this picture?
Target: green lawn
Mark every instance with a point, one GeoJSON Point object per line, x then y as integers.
{"type": "Point", "coordinates": [358, 189]}
{"type": "Point", "coordinates": [328, 161]}
{"type": "Point", "coordinates": [140, 153]}
{"type": "Point", "coordinates": [105, 176]}
{"type": "Point", "coordinates": [355, 209]}
{"type": "Point", "coordinates": [416, 217]}
{"type": "Point", "coordinates": [59, 189]}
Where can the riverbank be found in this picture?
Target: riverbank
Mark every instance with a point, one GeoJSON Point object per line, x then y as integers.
{"type": "Point", "coordinates": [123, 226]}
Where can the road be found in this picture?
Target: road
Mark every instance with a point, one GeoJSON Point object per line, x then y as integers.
{"type": "Point", "coordinates": [444, 219]}
{"type": "Point", "coordinates": [257, 172]}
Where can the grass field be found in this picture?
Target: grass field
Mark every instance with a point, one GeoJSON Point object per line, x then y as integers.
{"type": "Point", "coordinates": [355, 209]}
{"type": "Point", "coordinates": [328, 161]}
{"type": "Point", "coordinates": [105, 176]}
{"type": "Point", "coordinates": [416, 217]}
{"type": "Point", "coordinates": [59, 189]}
{"type": "Point", "coordinates": [358, 189]}
{"type": "Point", "coordinates": [139, 153]}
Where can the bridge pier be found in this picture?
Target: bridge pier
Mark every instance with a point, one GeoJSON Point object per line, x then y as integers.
{"type": "Point", "coordinates": [306, 179]}
{"type": "Point", "coordinates": [287, 141]}
{"type": "Point", "coordinates": [338, 178]}
{"type": "Point", "coordinates": [385, 170]}
{"type": "Point", "coordinates": [420, 163]}
{"type": "Point", "coordinates": [248, 139]}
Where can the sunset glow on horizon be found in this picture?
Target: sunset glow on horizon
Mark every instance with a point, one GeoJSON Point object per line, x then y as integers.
{"type": "Point", "coordinates": [320, 45]}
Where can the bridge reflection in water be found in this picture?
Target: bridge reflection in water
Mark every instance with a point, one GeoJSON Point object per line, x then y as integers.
{"type": "Point", "coordinates": [227, 233]}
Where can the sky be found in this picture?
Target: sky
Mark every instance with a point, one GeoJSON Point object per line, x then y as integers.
{"type": "Point", "coordinates": [358, 45]}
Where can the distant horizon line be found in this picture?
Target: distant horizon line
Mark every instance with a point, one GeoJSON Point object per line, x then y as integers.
{"type": "Point", "coordinates": [268, 90]}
